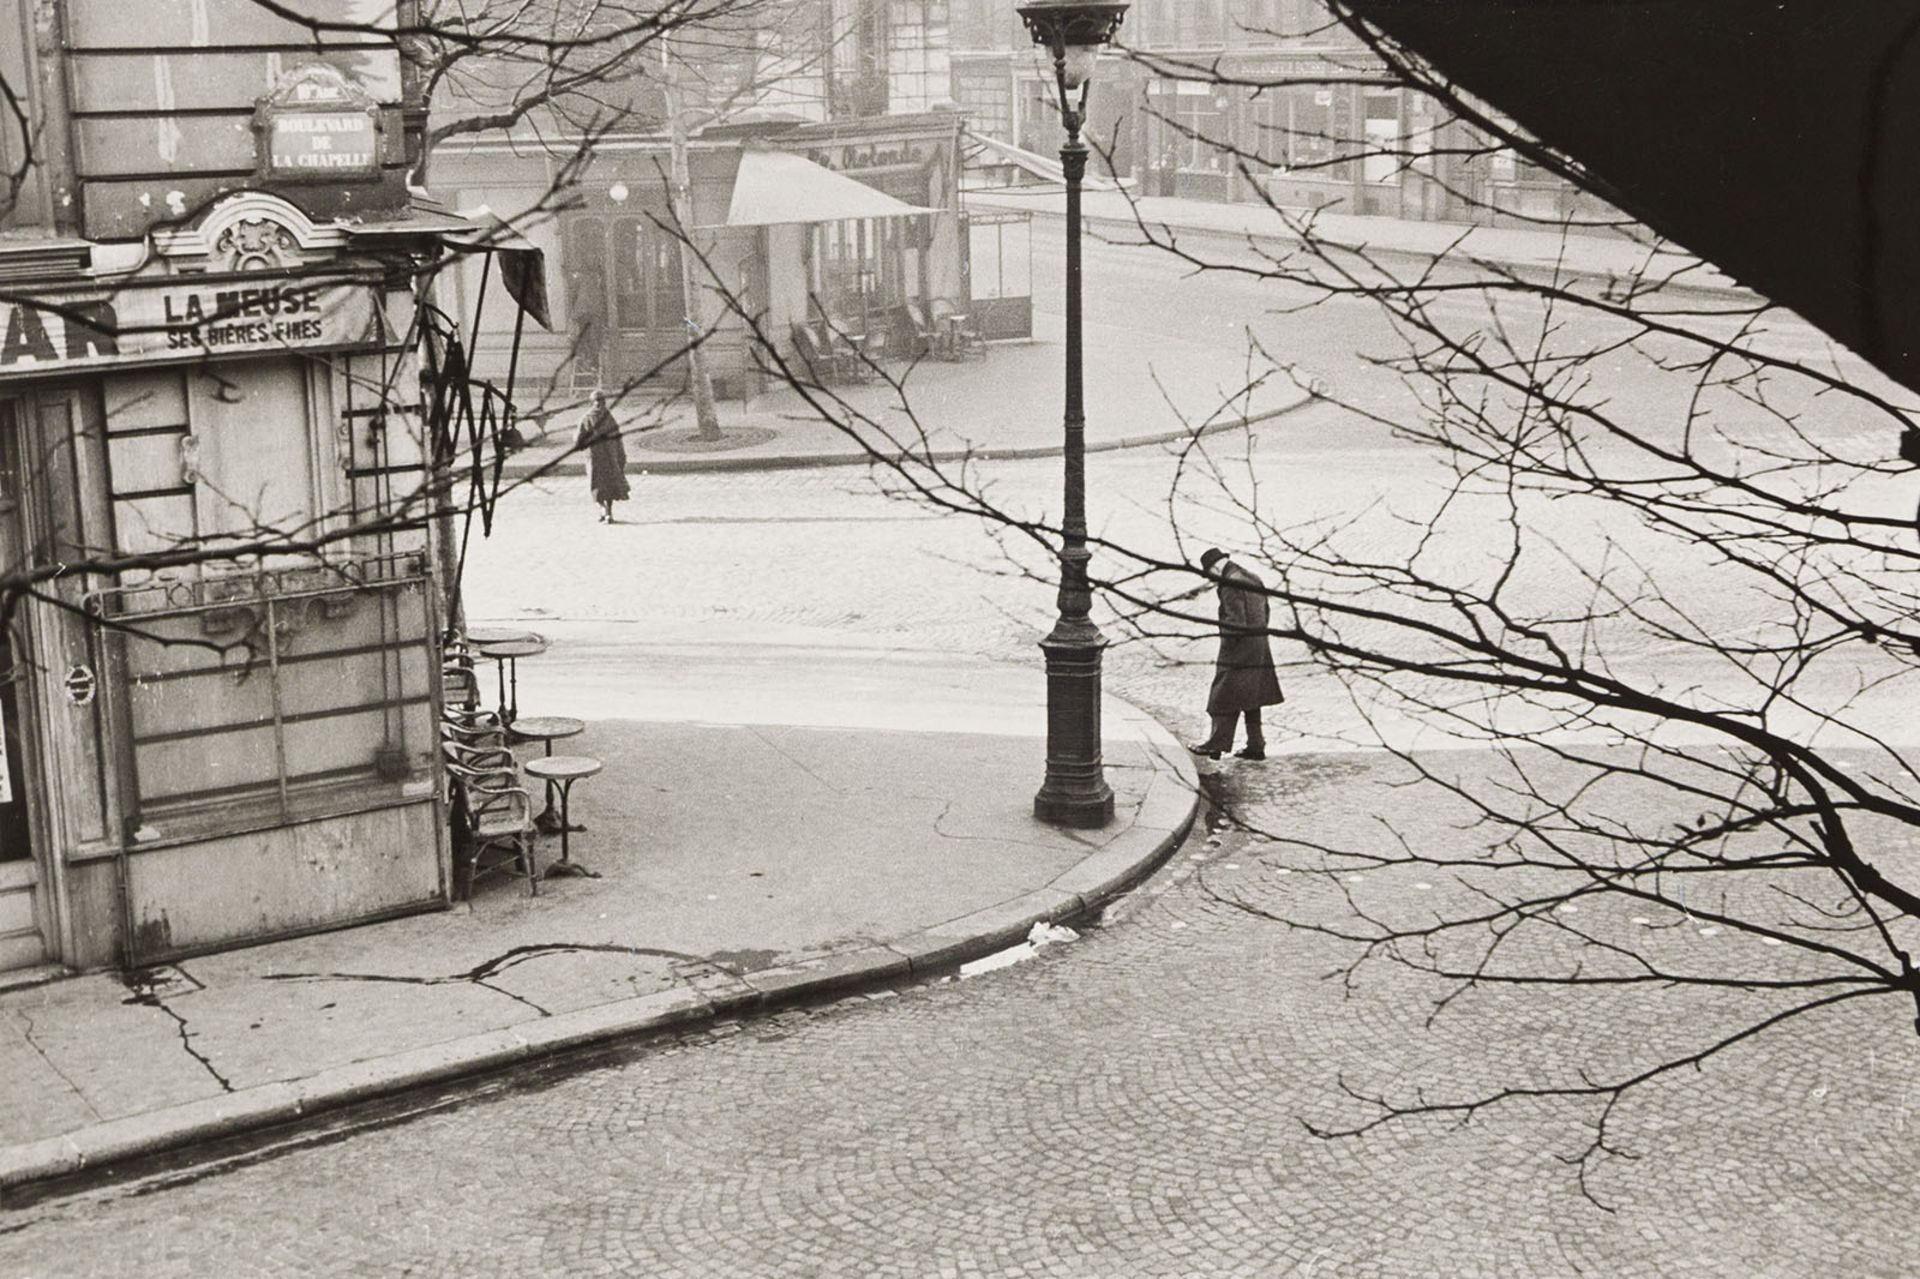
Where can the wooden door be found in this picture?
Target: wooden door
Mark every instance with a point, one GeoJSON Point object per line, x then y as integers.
{"type": "Point", "coordinates": [23, 911]}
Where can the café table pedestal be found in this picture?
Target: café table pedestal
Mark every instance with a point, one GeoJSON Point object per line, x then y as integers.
{"type": "Point", "coordinates": [506, 655]}
{"type": "Point", "coordinates": [545, 729]}
{"type": "Point", "coordinates": [563, 771]}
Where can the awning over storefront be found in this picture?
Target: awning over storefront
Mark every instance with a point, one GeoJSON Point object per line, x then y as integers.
{"type": "Point", "coordinates": [773, 188]}
{"type": "Point", "coordinates": [522, 263]}
{"type": "Point", "coordinates": [1040, 166]}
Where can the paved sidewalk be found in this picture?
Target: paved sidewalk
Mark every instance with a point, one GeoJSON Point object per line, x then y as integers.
{"type": "Point", "coordinates": [1140, 389]}
{"type": "Point", "coordinates": [1535, 254]}
{"type": "Point", "coordinates": [783, 812]}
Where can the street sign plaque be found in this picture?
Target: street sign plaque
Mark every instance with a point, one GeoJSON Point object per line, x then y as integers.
{"type": "Point", "coordinates": [318, 126]}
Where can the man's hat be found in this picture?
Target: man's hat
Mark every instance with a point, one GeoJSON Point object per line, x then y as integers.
{"type": "Point", "coordinates": [1211, 556]}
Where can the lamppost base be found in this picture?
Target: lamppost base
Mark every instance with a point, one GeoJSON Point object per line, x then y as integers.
{"type": "Point", "coordinates": [1078, 812]}
{"type": "Point", "coordinates": [1075, 793]}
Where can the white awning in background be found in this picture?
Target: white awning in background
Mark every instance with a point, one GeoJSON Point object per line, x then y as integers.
{"type": "Point", "coordinates": [773, 188]}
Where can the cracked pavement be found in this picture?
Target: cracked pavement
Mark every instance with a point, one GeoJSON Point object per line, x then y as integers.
{"type": "Point", "coordinates": [901, 785]}
{"type": "Point", "coordinates": [1128, 1105]}
{"type": "Point", "coordinates": [1133, 1103]}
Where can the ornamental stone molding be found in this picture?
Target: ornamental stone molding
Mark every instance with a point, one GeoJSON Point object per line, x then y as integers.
{"type": "Point", "coordinates": [251, 231]}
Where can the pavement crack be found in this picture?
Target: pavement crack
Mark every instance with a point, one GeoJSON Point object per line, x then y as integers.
{"type": "Point", "coordinates": [141, 983]}
{"type": "Point", "coordinates": [27, 1034]}
{"type": "Point", "coordinates": [483, 973]}
{"type": "Point", "coordinates": [518, 999]}
{"type": "Point", "coordinates": [787, 755]}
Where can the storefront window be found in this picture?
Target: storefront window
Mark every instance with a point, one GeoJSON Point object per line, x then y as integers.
{"type": "Point", "coordinates": [646, 276]}
{"type": "Point", "coordinates": [857, 269]}
{"type": "Point", "coordinates": [1383, 163]}
{"type": "Point", "coordinates": [1506, 164]}
{"type": "Point", "coordinates": [1311, 130]}
{"type": "Point", "coordinates": [258, 700]}
{"type": "Point", "coordinates": [585, 267]}
{"type": "Point", "coordinates": [1201, 118]}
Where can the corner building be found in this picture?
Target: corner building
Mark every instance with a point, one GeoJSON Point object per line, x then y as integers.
{"type": "Point", "coordinates": [220, 725]}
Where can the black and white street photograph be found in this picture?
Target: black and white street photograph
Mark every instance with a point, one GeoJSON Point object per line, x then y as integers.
{"type": "Point", "coordinates": [959, 639]}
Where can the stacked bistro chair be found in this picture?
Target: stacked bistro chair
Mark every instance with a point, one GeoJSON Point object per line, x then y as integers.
{"type": "Point", "coordinates": [960, 338]}
{"type": "Point", "coordinates": [917, 333]}
{"type": "Point", "coordinates": [827, 354]}
{"type": "Point", "coordinates": [491, 808]}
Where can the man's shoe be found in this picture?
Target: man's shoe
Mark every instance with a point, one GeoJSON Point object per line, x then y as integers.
{"type": "Point", "coordinates": [1251, 752]}
{"type": "Point", "coordinates": [1211, 752]}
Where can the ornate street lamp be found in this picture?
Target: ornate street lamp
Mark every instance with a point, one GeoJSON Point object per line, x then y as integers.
{"type": "Point", "coordinates": [1075, 792]}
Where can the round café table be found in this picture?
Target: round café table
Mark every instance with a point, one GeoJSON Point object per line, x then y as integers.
{"type": "Point", "coordinates": [546, 729]}
{"type": "Point", "coordinates": [494, 635]}
{"type": "Point", "coordinates": [564, 771]}
{"type": "Point", "coordinates": [506, 655]}
{"type": "Point", "coordinates": [956, 343]}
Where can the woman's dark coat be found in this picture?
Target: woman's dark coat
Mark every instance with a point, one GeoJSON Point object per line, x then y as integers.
{"type": "Point", "coordinates": [606, 456]}
{"type": "Point", "coordinates": [1243, 675]}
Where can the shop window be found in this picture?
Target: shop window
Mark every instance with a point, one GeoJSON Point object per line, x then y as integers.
{"type": "Point", "coordinates": [255, 701]}
{"type": "Point", "coordinates": [1313, 127]}
{"type": "Point", "coordinates": [1507, 165]}
{"type": "Point", "coordinates": [1267, 138]}
{"type": "Point", "coordinates": [646, 276]}
{"type": "Point", "coordinates": [849, 266]}
{"type": "Point", "coordinates": [584, 262]}
{"type": "Point", "coordinates": [1201, 120]}
{"type": "Point", "coordinates": [1382, 163]}
{"type": "Point", "coordinates": [999, 256]}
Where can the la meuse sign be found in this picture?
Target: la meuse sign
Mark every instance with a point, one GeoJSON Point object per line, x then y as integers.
{"type": "Point", "coordinates": [147, 324]}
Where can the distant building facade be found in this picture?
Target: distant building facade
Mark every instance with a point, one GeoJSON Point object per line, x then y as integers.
{"type": "Point", "coordinates": [1369, 148]}
{"type": "Point", "coordinates": [855, 88]}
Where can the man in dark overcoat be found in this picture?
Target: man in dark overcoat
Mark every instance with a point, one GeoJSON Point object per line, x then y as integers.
{"type": "Point", "coordinates": [1243, 675]}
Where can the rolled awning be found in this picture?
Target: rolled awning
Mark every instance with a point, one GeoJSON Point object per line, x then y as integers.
{"type": "Point", "coordinates": [774, 188]}
{"type": "Point", "coordinates": [1040, 166]}
{"type": "Point", "coordinates": [522, 263]}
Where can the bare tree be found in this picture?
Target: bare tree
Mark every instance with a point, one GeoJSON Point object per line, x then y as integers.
{"type": "Point", "coordinates": [573, 73]}
{"type": "Point", "coordinates": [1662, 586]}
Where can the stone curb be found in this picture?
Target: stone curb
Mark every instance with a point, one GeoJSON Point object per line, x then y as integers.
{"type": "Point", "coordinates": [1121, 862]}
{"type": "Point", "coordinates": [1415, 257]}
{"type": "Point", "coordinates": [797, 461]}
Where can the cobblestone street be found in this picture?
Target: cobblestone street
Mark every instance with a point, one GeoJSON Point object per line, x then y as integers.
{"type": "Point", "coordinates": [1134, 1103]}
{"type": "Point", "coordinates": [1130, 1104]}
{"type": "Point", "coordinates": [959, 639]}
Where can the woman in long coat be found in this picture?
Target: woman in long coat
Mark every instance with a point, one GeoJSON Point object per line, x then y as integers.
{"type": "Point", "coordinates": [1243, 674]}
{"type": "Point", "coordinates": [599, 435]}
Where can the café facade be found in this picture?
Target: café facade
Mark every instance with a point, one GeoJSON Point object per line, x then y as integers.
{"type": "Point", "coordinates": [839, 223]}
{"type": "Point", "coordinates": [222, 722]}
{"type": "Point", "coordinates": [220, 546]}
